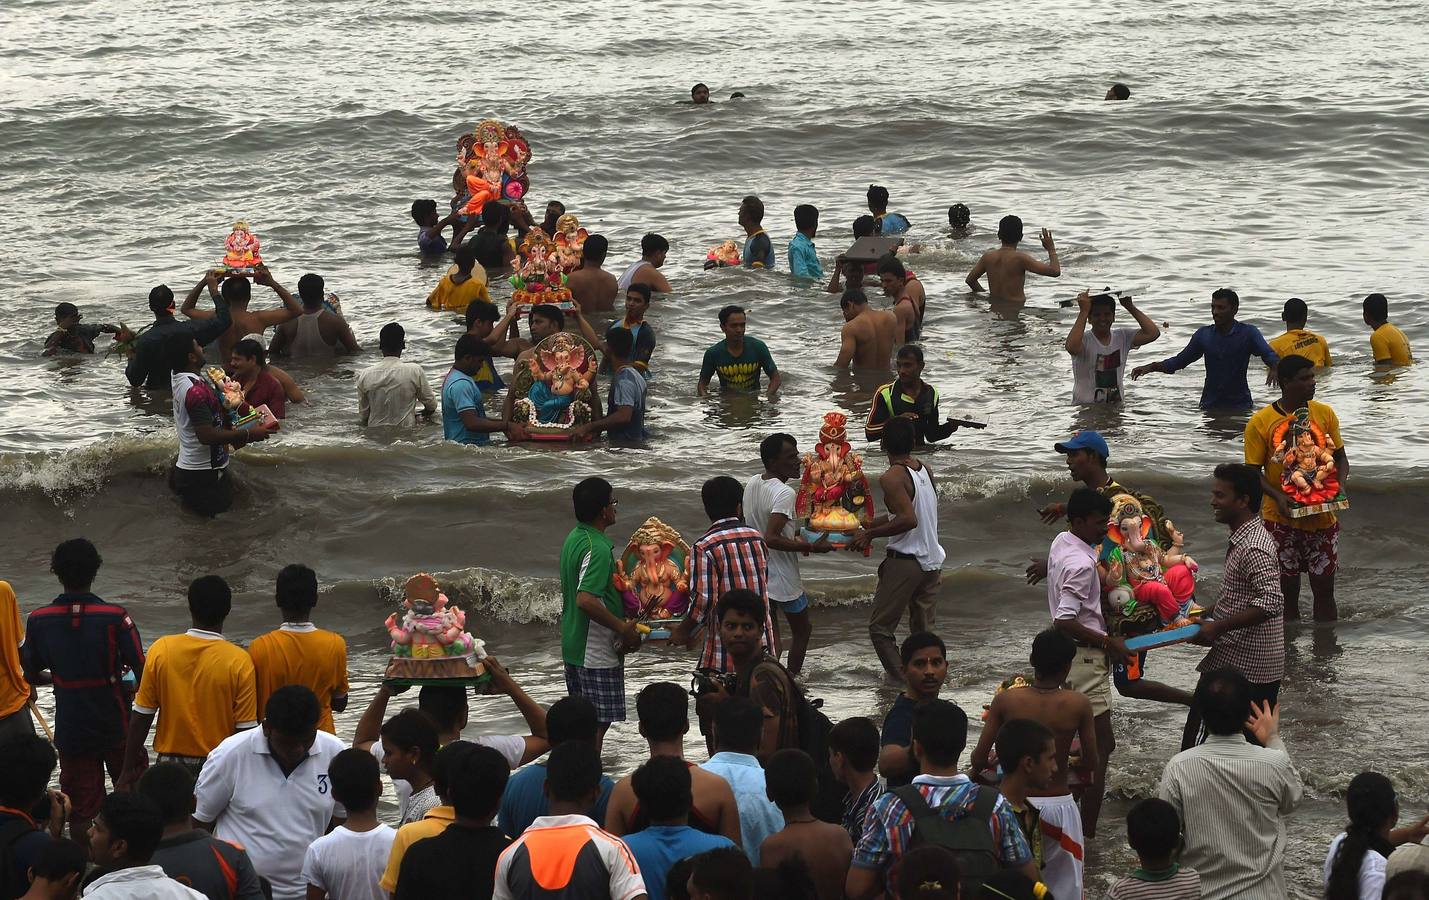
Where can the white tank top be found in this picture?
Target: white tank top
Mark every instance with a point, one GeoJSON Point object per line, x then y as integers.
{"type": "Point", "coordinates": [922, 541]}
{"type": "Point", "coordinates": [623, 283]}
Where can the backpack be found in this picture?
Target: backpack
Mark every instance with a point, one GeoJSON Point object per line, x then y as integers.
{"type": "Point", "coordinates": [13, 882]}
{"type": "Point", "coordinates": [969, 836]}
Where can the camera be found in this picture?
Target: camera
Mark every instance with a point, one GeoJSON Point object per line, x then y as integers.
{"type": "Point", "coordinates": [707, 681]}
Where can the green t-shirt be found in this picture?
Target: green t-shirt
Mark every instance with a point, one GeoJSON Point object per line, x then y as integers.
{"type": "Point", "coordinates": [587, 564]}
{"type": "Point", "coordinates": [738, 373]}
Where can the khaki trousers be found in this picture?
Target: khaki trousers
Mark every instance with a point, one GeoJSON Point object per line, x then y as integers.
{"type": "Point", "coordinates": [902, 586]}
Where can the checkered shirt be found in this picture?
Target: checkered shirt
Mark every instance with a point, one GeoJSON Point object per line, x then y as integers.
{"type": "Point", "coordinates": [1251, 579]}
{"type": "Point", "coordinates": [730, 555]}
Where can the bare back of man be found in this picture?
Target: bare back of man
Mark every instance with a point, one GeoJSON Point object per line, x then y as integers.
{"type": "Point", "coordinates": [1006, 269]}
{"type": "Point", "coordinates": [1066, 712]}
{"type": "Point", "coordinates": [824, 847]}
{"type": "Point", "coordinates": [651, 276]}
{"type": "Point", "coordinates": [868, 338]}
{"type": "Point", "coordinates": [714, 806]}
{"type": "Point", "coordinates": [908, 309]}
{"type": "Point", "coordinates": [593, 288]}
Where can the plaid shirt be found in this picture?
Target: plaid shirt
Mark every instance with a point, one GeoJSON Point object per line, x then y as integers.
{"type": "Point", "coordinates": [888, 830]}
{"type": "Point", "coordinates": [730, 555]}
{"type": "Point", "coordinates": [1251, 579]}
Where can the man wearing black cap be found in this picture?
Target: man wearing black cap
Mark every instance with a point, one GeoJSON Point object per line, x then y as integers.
{"type": "Point", "coordinates": [149, 366]}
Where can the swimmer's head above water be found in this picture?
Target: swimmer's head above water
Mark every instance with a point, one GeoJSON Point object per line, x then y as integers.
{"type": "Point", "coordinates": [1118, 91]}
{"type": "Point", "coordinates": [864, 226]}
{"type": "Point", "coordinates": [700, 93]}
{"type": "Point", "coordinates": [959, 216]}
{"type": "Point", "coordinates": [1009, 230]}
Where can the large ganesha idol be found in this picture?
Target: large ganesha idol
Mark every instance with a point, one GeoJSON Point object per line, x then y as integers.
{"type": "Point", "coordinates": [493, 158]}
{"type": "Point", "coordinates": [1146, 588]}
{"type": "Point", "coordinates": [556, 389]}
{"type": "Point", "coordinates": [653, 578]}
{"type": "Point", "coordinates": [430, 643]}
{"type": "Point", "coordinates": [833, 497]}
{"type": "Point", "coordinates": [240, 256]}
{"type": "Point", "coordinates": [1310, 479]}
{"type": "Point", "coordinates": [539, 277]}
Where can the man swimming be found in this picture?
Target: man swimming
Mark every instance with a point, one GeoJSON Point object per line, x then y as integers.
{"type": "Point", "coordinates": [1007, 267]}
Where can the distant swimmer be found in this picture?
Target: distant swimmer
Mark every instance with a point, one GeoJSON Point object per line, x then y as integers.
{"type": "Point", "coordinates": [758, 249]}
{"type": "Point", "coordinates": [909, 301]}
{"type": "Point", "coordinates": [1118, 91]}
{"type": "Point", "coordinates": [1388, 343]}
{"type": "Point", "coordinates": [868, 334]}
{"type": "Point", "coordinates": [1007, 267]}
{"type": "Point", "coordinates": [593, 288]}
{"type": "Point", "coordinates": [700, 94]}
{"type": "Point", "coordinates": [72, 337]}
{"type": "Point", "coordinates": [958, 218]}
{"type": "Point", "coordinates": [1227, 346]}
{"type": "Point", "coordinates": [803, 258]}
{"type": "Point", "coordinates": [1296, 341]}
{"type": "Point", "coordinates": [737, 95]}
{"type": "Point", "coordinates": [888, 223]}
{"type": "Point", "coordinates": [646, 270]}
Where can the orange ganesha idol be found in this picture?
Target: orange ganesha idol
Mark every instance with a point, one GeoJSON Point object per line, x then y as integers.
{"type": "Point", "coordinates": [833, 497]}
{"type": "Point", "coordinates": [241, 250]}
{"type": "Point", "coordinates": [493, 160]}
{"type": "Point", "coordinates": [1310, 479]}
{"type": "Point", "coordinates": [653, 577]}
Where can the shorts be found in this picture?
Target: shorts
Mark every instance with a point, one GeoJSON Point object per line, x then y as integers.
{"type": "Point", "coordinates": [1316, 552]}
{"type": "Point", "coordinates": [1062, 844]}
{"type": "Point", "coordinates": [1089, 675]}
{"type": "Point", "coordinates": [797, 605]}
{"type": "Point", "coordinates": [82, 779]}
{"type": "Point", "coordinates": [604, 688]}
{"type": "Point", "coordinates": [1127, 670]}
{"type": "Point", "coordinates": [207, 492]}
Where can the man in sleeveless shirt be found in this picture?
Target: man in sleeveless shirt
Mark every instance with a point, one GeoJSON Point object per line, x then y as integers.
{"type": "Point", "coordinates": [908, 578]}
{"type": "Point", "coordinates": [319, 333]}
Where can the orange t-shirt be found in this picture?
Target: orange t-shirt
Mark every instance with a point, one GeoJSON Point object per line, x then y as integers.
{"type": "Point", "coordinates": [202, 688]}
{"type": "Point", "coordinates": [14, 689]}
{"type": "Point", "coordinates": [301, 653]}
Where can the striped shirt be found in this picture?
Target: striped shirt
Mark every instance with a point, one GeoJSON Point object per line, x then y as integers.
{"type": "Point", "coordinates": [730, 555]}
{"type": "Point", "coordinates": [1233, 797]}
{"type": "Point", "coordinates": [1177, 883]}
{"type": "Point", "coordinates": [562, 857]}
{"type": "Point", "coordinates": [1251, 579]}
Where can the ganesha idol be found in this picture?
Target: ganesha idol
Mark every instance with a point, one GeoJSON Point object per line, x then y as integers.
{"type": "Point", "coordinates": [555, 390]}
{"type": "Point", "coordinates": [241, 255]}
{"type": "Point", "coordinates": [722, 255]}
{"type": "Point", "coordinates": [570, 241]}
{"type": "Point", "coordinates": [429, 639]}
{"type": "Point", "coordinates": [1310, 478]}
{"type": "Point", "coordinates": [493, 160]}
{"type": "Point", "coordinates": [1146, 587]}
{"type": "Point", "coordinates": [539, 277]}
{"type": "Point", "coordinates": [833, 498]}
{"type": "Point", "coordinates": [653, 577]}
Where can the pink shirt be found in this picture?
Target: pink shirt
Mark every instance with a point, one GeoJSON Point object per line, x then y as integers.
{"type": "Point", "coordinates": [1073, 589]}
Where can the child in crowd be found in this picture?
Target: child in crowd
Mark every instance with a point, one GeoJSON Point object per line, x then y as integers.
{"type": "Point", "coordinates": [853, 759]}
{"type": "Point", "coordinates": [347, 862]}
{"type": "Point", "coordinates": [1154, 831]}
{"type": "Point", "coordinates": [458, 289]}
{"type": "Point", "coordinates": [791, 782]}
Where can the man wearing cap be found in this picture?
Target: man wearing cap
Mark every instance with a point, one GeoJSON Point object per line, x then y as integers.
{"type": "Point", "coordinates": [149, 367]}
{"type": "Point", "coordinates": [1297, 341]}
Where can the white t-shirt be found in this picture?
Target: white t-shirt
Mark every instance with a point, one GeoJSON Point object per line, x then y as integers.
{"type": "Point", "coordinates": [1371, 869]}
{"type": "Point", "coordinates": [1097, 371]}
{"type": "Point", "coordinates": [244, 792]}
{"type": "Point", "coordinates": [763, 496]}
{"type": "Point", "coordinates": [348, 864]}
{"type": "Point", "coordinates": [190, 394]}
{"type": "Point", "coordinates": [511, 746]}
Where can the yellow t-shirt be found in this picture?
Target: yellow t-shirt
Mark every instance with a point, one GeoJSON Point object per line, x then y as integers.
{"type": "Point", "coordinates": [1300, 342]}
{"type": "Point", "coordinates": [301, 654]}
{"type": "Point", "coordinates": [1258, 433]}
{"type": "Point", "coordinates": [14, 689]}
{"type": "Point", "coordinates": [448, 295]}
{"type": "Point", "coordinates": [432, 824]}
{"type": "Point", "coordinates": [1387, 342]}
{"type": "Point", "coordinates": [202, 688]}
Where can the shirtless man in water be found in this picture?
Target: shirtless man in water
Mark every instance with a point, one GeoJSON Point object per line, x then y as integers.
{"type": "Point", "coordinates": [591, 287]}
{"type": "Point", "coordinates": [868, 334]}
{"type": "Point", "coordinates": [1007, 267]}
{"type": "Point", "coordinates": [909, 301]}
{"type": "Point", "coordinates": [237, 291]}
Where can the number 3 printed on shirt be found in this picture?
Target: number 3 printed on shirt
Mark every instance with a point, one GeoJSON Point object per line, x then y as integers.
{"type": "Point", "coordinates": [322, 784]}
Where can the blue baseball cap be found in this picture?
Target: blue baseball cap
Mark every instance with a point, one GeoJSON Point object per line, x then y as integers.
{"type": "Point", "coordinates": [1086, 440]}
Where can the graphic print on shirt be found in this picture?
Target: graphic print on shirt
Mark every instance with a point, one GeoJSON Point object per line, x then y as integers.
{"type": "Point", "coordinates": [1107, 367]}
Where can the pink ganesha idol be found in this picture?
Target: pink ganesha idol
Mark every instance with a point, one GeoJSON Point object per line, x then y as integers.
{"type": "Point", "coordinates": [430, 641]}
{"type": "Point", "coordinates": [653, 577]}
{"type": "Point", "coordinates": [241, 250]}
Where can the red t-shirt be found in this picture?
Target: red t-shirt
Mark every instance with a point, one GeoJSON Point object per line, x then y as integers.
{"type": "Point", "coordinates": [267, 390]}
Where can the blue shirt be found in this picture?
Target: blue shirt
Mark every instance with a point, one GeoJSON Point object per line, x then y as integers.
{"type": "Point", "coordinates": [659, 847]}
{"type": "Point", "coordinates": [758, 251]}
{"type": "Point", "coordinates": [803, 260]}
{"type": "Point", "coordinates": [1227, 356]}
{"type": "Point", "coordinates": [893, 223]}
{"type": "Point", "coordinates": [627, 388]}
{"type": "Point", "coordinates": [758, 817]}
{"type": "Point", "coordinates": [459, 392]}
{"type": "Point", "coordinates": [434, 245]}
{"type": "Point", "coordinates": [524, 800]}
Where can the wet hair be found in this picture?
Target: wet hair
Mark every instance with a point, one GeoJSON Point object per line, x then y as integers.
{"type": "Point", "coordinates": [1371, 803]}
{"type": "Point", "coordinates": [724, 873]}
{"type": "Point", "coordinates": [864, 226]}
{"type": "Point", "coordinates": [663, 788]}
{"type": "Point", "coordinates": [494, 216]}
{"type": "Point", "coordinates": [571, 720]}
{"type": "Point", "coordinates": [806, 216]}
{"type": "Point", "coordinates": [481, 311]}
{"type": "Point", "coordinates": [742, 601]}
{"type": "Point", "coordinates": [297, 588]}
{"type": "Point", "coordinates": [160, 298]}
{"type": "Point", "coordinates": [1009, 230]}
{"type": "Point", "coordinates": [696, 88]}
{"type": "Point", "coordinates": [30, 760]}
{"type": "Point", "coordinates": [728, 311]}
{"type": "Point", "coordinates": [445, 703]}
{"type": "Point", "coordinates": [1290, 366]}
{"type": "Point", "coordinates": [1227, 295]}
{"type": "Point", "coordinates": [621, 342]}
{"type": "Point", "coordinates": [920, 640]}
{"type": "Point", "coordinates": [790, 880]}
{"type": "Point", "coordinates": [75, 562]}
{"type": "Point", "coordinates": [941, 729]}
{"type": "Point", "coordinates": [910, 351]}
{"type": "Point", "coordinates": [293, 710]}
{"type": "Point", "coordinates": [1053, 651]}
{"type": "Point", "coordinates": [736, 95]}
{"type": "Point", "coordinates": [1153, 829]}
{"type": "Point", "coordinates": [1020, 739]}
{"type": "Point", "coordinates": [1376, 307]}
{"type": "Point", "coordinates": [1295, 311]}
{"type": "Point", "coordinates": [877, 196]}
{"type": "Point", "coordinates": [591, 496]}
{"type": "Point", "coordinates": [1120, 91]}
{"type": "Point", "coordinates": [423, 210]}
{"type": "Point", "coordinates": [853, 297]}
{"type": "Point", "coordinates": [791, 778]}
{"type": "Point", "coordinates": [356, 780]}
{"type": "Point", "coordinates": [572, 771]}
{"type": "Point", "coordinates": [1244, 481]}
{"type": "Point", "coordinates": [898, 436]}
{"type": "Point", "coordinates": [412, 729]}
{"type": "Point", "coordinates": [136, 820]}
{"type": "Point", "coordinates": [465, 256]}
{"type": "Point", "coordinates": [310, 288]}
{"type": "Point", "coordinates": [551, 313]}
{"type": "Point", "coordinates": [248, 348]}
{"type": "Point", "coordinates": [176, 348]}
{"type": "Point", "coordinates": [889, 265]}
{"type": "Point", "coordinates": [595, 248]}
{"type": "Point", "coordinates": [1223, 698]}
{"type": "Point", "coordinates": [171, 788]}
{"type": "Point", "coordinates": [447, 769]}
{"type": "Point", "coordinates": [475, 784]}
{"type": "Point", "coordinates": [469, 345]}
{"type": "Point", "coordinates": [210, 599]}
{"type": "Point", "coordinates": [392, 337]}
{"type": "Point", "coordinates": [772, 446]}
{"type": "Point", "coordinates": [65, 310]}
{"type": "Point", "coordinates": [663, 709]}
{"type": "Point", "coordinates": [754, 206]}
{"type": "Point", "coordinates": [236, 290]}
{"type": "Point", "coordinates": [642, 289]}
{"type": "Point", "coordinates": [958, 215]}
{"type": "Point", "coordinates": [857, 739]}
{"type": "Point", "coordinates": [738, 724]}
{"type": "Point", "coordinates": [1087, 501]}
{"type": "Point", "coordinates": [653, 243]}
{"type": "Point", "coordinates": [929, 872]}
{"type": "Point", "coordinates": [722, 496]}
{"type": "Point", "coordinates": [59, 859]}
{"type": "Point", "coordinates": [1103, 300]}
{"type": "Point", "coordinates": [1011, 884]}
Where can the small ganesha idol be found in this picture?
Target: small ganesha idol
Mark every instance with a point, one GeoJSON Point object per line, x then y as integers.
{"type": "Point", "coordinates": [569, 240]}
{"type": "Point", "coordinates": [1310, 479]}
{"type": "Point", "coordinates": [653, 577]}
{"type": "Point", "coordinates": [241, 255]}
{"type": "Point", "coordinates": [429, 639]}
{"type": "Point", "coordinates": [556, 390]}
{"type": "Point", "coordinates": [833, 497]}
{"type": "Point", "coordinates": [722, 255]}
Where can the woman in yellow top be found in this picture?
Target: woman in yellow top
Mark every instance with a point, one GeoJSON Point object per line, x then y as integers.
{"type": "Point", "coordinates": [1388, 343]}
{"type": "Point", "coordinates": [457, 289]}
{"type": "Point", "coordinates": [14, 689]}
